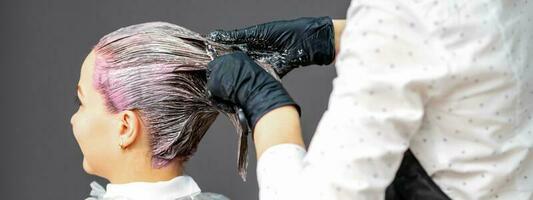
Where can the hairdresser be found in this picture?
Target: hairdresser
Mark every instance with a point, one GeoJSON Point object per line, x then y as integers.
{"type": "Point", "coordinates": [408, 78]}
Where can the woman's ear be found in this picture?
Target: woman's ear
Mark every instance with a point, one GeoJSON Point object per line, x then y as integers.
{"type": "Point", "coordinates": [130, 128]}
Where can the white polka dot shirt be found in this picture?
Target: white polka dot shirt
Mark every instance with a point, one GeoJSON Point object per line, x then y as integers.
{"type": "Point", "coordinates": [451, 80]}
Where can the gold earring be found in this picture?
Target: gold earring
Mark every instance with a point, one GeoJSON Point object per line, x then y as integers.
{"type": "Point", "coordinates": [121, 144]}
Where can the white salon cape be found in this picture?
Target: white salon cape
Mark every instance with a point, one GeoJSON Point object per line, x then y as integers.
{"type": "Point", "coordinates": [178, 188]}
{"type": "Point", "coordinates": [451, 80]}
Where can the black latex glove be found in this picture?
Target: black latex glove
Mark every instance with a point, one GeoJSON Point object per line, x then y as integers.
{"type": "Point", "coordinates": [285, 44]}
{"type": "Point", "coordinates": [236, 78]}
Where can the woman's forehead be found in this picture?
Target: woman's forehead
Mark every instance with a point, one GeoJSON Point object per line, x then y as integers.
{"type": "Point", "coordinates": [88, 64]}
{"type": "Point", "coordinates": [86, 72]}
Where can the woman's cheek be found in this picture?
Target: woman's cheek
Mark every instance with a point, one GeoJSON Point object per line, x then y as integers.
{"type": "Point", "coordinates": [81, 130]}
{"type": "Point", "coordinates": [85, 131]}
{"type": "Point", "coordinates": [95, 142]}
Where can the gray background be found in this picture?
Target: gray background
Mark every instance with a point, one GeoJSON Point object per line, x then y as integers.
{"type": "Point", "coordinates": [43, 45]}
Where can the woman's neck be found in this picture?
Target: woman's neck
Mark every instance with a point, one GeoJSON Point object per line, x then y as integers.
{"type": "Point", "coordinates": [142, 171]}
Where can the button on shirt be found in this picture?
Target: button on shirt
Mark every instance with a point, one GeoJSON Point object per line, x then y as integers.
{"type": "Point", "coordinates": [451, 80]}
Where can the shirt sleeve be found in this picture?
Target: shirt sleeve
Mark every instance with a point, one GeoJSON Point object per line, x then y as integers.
{"type": "Point", "coordinates": [277, 169]}
{"type": "Point", "coordinates": [385, 69]}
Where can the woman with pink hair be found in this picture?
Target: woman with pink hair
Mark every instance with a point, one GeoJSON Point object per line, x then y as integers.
{"type": "Point", "coordinates": [144, 109]}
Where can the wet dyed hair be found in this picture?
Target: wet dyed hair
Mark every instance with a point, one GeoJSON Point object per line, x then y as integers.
{"type": "Point", "coordinates": [158, 69]}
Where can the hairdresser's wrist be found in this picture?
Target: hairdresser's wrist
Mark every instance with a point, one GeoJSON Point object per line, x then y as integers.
{"type": "Point", "coordinates": [269, 98]}
{"type": "Point", "coordinates": [279, 126]}
{"type": "Point", "coordinates": [338, 27]}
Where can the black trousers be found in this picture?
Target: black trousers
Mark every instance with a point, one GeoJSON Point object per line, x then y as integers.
{"type": "Point", "coordinates": [413, 183]}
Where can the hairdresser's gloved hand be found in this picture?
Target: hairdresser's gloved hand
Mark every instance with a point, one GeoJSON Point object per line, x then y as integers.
{"type": "Point", "coordinates": [286, 44]}
{"type": "Point", "coordinates": [237, 79]}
